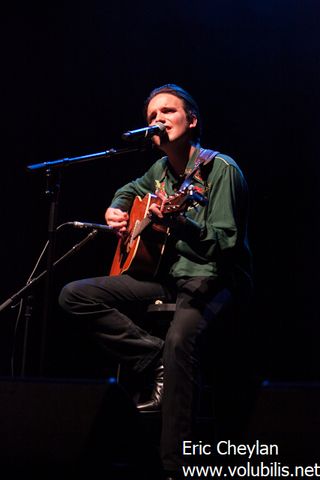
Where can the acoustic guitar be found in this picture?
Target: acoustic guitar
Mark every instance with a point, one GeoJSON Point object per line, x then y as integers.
{"type": "Point", "coordinates": [141, 248]}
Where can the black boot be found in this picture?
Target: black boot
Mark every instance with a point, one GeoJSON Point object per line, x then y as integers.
{"type": "Point", "coordinates": [154, 404]}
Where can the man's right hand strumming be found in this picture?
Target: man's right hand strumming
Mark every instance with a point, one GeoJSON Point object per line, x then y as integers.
{"type": "Point", "coordinates": [117, 219]}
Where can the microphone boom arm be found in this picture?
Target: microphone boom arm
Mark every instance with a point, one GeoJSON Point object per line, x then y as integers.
{"type": "Point", "coordinates": [65, 162]}
{"type": "Point", "coordinates": [36, 280]}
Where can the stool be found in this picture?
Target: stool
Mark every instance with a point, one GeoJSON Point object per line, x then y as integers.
{"type": "Point", "coordinates": [161, 314]}
{"type": "Point", "coordinates": [158, 318]}
{"type": "Point", "coordinates": [159, 306]}
{"type": "Point", "coordinates": [222, 399]}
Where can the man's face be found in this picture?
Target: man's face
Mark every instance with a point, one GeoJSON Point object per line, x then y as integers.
{"type": "Point", "coordinates": [169, 110]}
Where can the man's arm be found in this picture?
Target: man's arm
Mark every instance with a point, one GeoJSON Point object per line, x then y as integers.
{"type": "Point", "coordinates": [200, 237]}
{"type": "Point", "coordinates": [117, 214]}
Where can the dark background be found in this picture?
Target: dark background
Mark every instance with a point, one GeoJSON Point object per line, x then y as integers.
{"type": "Point", "coordinates": [74, 78]}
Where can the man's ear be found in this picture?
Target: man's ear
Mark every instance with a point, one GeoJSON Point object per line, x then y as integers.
{"type": "Point", "coordinates": [193, 122]}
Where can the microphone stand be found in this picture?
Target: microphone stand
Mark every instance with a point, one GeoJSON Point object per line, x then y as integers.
{"type": "Point", "coordinates": [52, 191]}
{"type": "Point", "coordinates": [12, 301]}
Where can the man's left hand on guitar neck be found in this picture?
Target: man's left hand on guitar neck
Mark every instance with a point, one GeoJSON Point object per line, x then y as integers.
{"type": "Point", "coordinates": [180, 225]}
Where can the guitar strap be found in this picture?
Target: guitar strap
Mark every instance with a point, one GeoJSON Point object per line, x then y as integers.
{"type": "Point", "coordinates": [205, 156]}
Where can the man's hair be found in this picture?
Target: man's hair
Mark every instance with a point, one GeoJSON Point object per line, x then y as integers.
{"type": "Point", "coordinates": [190, 106]}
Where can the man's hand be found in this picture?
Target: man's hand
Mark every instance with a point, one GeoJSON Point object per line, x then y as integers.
{"type": "Point", "coordinates": [156, 210]}
{"type": "Point", "coordinates": [117, 219]}
{"type": "Point", "coordinates": [181, 226]}
{"type": "Point", "coordinates": [167, 219]}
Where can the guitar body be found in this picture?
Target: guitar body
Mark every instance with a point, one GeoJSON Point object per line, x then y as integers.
{"type": "Point", "coordinates": [140, 251]}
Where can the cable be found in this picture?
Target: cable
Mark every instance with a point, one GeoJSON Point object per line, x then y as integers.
{"type": "Point", "coordinates": [21, 302]}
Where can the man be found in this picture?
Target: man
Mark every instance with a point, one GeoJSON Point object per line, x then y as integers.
{"type": "Point", "coordinates": [207, 269]}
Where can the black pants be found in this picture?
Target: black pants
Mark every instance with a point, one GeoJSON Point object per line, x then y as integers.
{"type": "Point", "coordinates": [106, 302]}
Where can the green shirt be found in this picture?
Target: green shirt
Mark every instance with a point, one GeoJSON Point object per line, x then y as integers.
{"type": "Point", "coordinates": [220, 249]}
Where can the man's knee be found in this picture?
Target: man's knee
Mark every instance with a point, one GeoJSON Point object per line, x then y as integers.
{"type": "Point", "coordinates": [68, 296]}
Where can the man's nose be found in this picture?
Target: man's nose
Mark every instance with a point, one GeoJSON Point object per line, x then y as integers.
{"type": "Point", "coordinates": [160, 118]}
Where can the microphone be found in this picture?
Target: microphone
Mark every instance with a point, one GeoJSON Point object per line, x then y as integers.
{"type": "Point", "coordinates": [147, 132]}
{"type": "Point", "coordinates": [95, 226]}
